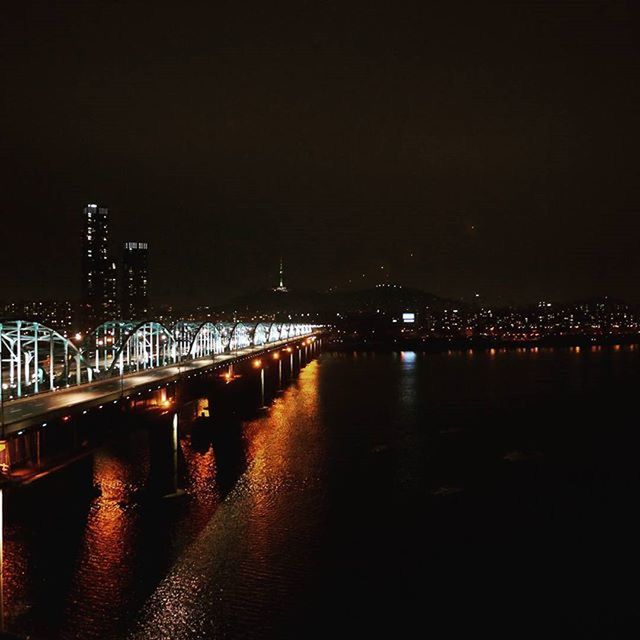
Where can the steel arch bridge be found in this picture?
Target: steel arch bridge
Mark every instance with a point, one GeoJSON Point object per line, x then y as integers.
{"type": "Point", "coordinates": [121, 347]}
{"type": "Point", "coordinates": [117, 347]}
{"type": "Point", "coordinates": [196, 340]}
{"type": "Point", "coordinates": [35, 358]}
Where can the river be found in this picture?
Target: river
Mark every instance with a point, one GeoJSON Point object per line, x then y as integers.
{"type": "Point", "coordinates": [490, 491]}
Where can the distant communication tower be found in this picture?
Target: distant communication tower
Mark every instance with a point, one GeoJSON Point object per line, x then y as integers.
{"type": "Point", "coordinates": [281, 286]}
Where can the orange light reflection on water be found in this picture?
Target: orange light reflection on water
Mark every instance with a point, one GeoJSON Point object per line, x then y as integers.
{"type": "Point", "coordinates": [103, 577]}
{"type": "Point", "coordinates": [283, 451]}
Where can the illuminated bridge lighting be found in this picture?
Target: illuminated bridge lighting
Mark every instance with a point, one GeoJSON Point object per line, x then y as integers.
{"type": "Point", "coordinates": [36, 359]}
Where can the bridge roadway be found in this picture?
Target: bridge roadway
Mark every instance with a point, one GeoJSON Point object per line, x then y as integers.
{"type": "Point", "coordinates": [27, 412]}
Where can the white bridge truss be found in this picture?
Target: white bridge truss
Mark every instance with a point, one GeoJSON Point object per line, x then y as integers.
{"type": "Point", "coordinates": [34, 358]}
{"type": "Point", "coordinates": [117, 347]}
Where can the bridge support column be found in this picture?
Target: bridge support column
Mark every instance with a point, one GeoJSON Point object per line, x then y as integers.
{"type": "Point", "coordinates": [38, 448]}
{"type": "Point", "coordinates": [176, 491]}
{"type": "Point", "coordinates": [36, 362]}
{"type": "Point", "coordinates": [66, 364]}
{"type": "Point", "coordinates": [19, 361]}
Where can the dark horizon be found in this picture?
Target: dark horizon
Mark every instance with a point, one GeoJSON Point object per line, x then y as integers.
{"type": "Point", "coordinates": [488, 149]}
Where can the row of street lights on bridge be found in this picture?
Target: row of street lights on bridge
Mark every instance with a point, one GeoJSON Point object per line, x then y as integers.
{"type": "Point", "coordinates": [257, 364]}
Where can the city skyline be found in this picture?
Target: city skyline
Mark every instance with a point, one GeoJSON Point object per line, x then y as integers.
{"type": "Point", "coordinates": [345, 140]}
{"type": "Point", "coordinates": [319, 319]}
{"type": "Point", "coordinates": [115, 266]}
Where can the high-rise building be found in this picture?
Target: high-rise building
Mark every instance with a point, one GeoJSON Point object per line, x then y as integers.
{"type": "Point", "coordinates": [98, 273]}
{"type": "Point", "coordinates": [135, 281]}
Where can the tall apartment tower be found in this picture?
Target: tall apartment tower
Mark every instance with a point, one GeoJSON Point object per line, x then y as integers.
{"type": "Point", "coordinates": [135, 281]}
{"type": "Point", "coordinates": [98, 273]}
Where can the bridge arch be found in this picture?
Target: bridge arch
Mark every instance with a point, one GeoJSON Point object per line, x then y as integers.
{"type": "Point", "coordinates": [101, 345]}
{"type": "Point", "coordinates": [241, 336]}
{"type": "Point", "coordinates": [262, 333]}
{"type": "Point", "coordinates": [149, 344]}
{"type": "Point", "coordinates": [274, 332]}
{"type": "Point", "coordinates": [35, 358]}
{"type": "Point", "coordinates": [285, 331]}
{"type": "Point", "coordinates": [184, 333]}
{"type": "Point", "coordinates": [208, 340]}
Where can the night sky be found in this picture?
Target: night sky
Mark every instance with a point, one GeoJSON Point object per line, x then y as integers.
{"type": "Point", "coordinates": [464, 147]}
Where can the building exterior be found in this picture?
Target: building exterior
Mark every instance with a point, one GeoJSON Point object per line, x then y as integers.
{"type": "Point", "coordinates": [135, 281]}
{"type": "Point", "coordinates": [99, 275]}
{"type": "Point", "coordinates": [55, 314]}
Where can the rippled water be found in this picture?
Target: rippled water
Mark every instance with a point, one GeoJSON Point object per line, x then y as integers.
{"type": "Point", "coordinates": [490, 491]}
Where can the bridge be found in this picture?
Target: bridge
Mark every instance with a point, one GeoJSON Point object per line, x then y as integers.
{"type": "Point", "coordinates": [43, 372]}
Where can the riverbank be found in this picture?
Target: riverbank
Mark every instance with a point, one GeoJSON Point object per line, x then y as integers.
{"type": "Point", "coordinates": [439, 345]}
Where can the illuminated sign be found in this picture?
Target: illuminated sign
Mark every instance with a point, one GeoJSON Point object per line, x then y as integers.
{"type": "Point", "coordinates": [408, 317]}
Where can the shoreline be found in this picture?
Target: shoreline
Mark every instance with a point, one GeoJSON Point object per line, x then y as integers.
{"type": "Point", "coordinates": [439, 345]}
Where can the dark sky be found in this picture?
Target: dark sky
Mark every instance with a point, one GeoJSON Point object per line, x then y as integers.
{"type": "Point", "coordinates": [466, 147]}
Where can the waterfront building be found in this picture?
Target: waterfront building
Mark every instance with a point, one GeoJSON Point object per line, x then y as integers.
{"type": "Point", "coordinates": [135, 281]}
{"type": "Point", "coordinates": [99, 275]}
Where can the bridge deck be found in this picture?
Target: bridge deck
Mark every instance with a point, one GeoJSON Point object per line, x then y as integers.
{"type": "Point", "coordinates": [26, 412]}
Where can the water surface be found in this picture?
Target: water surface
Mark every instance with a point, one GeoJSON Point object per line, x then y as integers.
{"type": "Point", "coordinates": [492, 492]}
